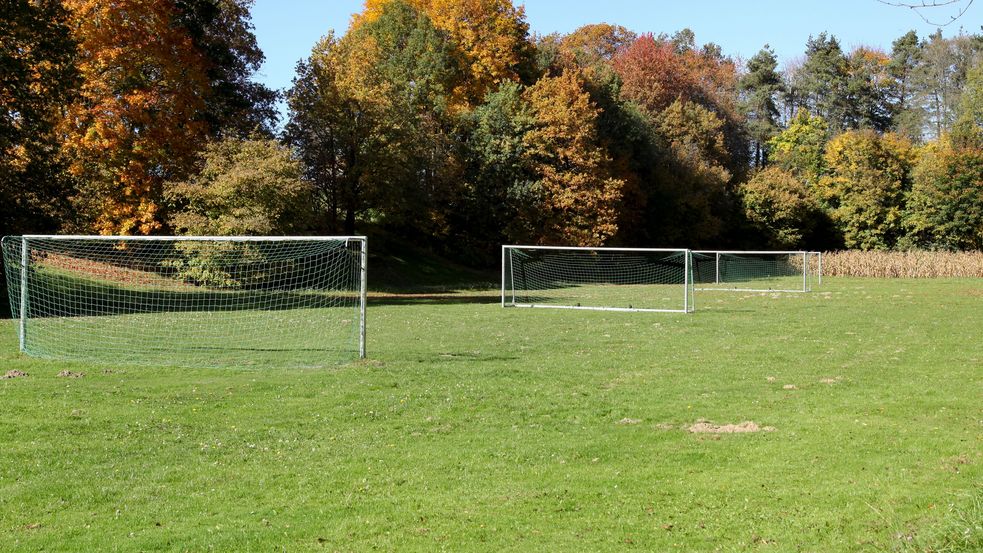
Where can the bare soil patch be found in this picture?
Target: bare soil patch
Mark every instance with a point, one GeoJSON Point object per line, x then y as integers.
{"type": "Point", "coordinates": [70, 374]}
{"type": "Point", "coordinates": [707, 427]}
{"type": "Point", "coordinates": [790, 387]}
{"type": "Point", "coordinates": [628, 420]}
{"type": "Point", "coordinates": [831, 380]}
{"type": "Point", "coordinates": [14, 374]}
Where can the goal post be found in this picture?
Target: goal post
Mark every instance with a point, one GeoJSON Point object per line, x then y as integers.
{"type": "Point", "coordinates": [605, 279]}
{"type": "Point", "coordinates": [754, 271]}
{"type": "Point", "coordinates": [189, 300]}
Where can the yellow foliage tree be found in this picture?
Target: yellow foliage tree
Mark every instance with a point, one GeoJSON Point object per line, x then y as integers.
{"type": "Point", "coordinates": [136, 122]}
{"type": "Point", "coordinates": [869, 175]}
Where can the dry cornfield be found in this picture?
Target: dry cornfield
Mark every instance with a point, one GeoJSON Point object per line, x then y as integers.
{"type": "Point", "coordinates": [903, 264]}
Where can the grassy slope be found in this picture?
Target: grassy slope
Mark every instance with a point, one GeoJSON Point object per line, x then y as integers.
{"type": "Point", "coordinates": [477, 428]}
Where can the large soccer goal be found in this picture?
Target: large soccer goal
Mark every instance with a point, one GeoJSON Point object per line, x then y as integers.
{"type": "Point", "coordinates": [611, 279]}
{"type": "Point", "coordinates": [754, 271]}
{"type": "Point", "coordinates": [189, 300]}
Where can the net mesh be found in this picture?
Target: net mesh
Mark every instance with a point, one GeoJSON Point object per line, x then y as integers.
{"type": "Point", "coordinates": [195, 302]}
{"type": "Point", "coordinates": [598, 278]}
{"type": "Point", "coordinates": [752, 271]}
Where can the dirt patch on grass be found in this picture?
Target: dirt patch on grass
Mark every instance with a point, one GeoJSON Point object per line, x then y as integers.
{"type": "Point", "coordinates": [628, 420]}
{"type": "Point", "coordinates": [790, 387]}
{"type": "Point", "coordinates": [831, 380]}
{"type": "Point", "coordinates": [707, 427]}
{"type": "Point", "coordinates": [14, 374]}
{"type": "Point", "coordinates": [70, 374]}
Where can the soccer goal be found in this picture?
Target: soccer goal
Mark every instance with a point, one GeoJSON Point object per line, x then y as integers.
{"type": "Point", "coordinates": [189, 300]}
{"type": "Point", "coordinates": [754, 271]}
{"type": "Point", "coordinates": [610, 279]}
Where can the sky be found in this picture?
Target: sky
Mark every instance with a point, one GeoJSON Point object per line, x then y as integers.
{"type": "Point", "coordinates": [287, 29]}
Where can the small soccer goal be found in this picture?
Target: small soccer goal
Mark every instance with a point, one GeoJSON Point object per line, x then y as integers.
{"type": "Point", "coordinates": [755, 271]}
{"type": "Point", "coordinates": [610, 279]}
{"type": "Point", "coordinates": [189, 300]}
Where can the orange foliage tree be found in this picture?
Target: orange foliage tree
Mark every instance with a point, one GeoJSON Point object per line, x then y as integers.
{"type": "Point", "coordinates": [136, 122]}
{"type": "Point", "coordinates": [657, 71]}
{"type": "Point", "coordinates": [579, 196]}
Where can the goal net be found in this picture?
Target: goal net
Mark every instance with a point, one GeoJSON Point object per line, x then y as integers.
{"type": "Point", "coordinates": [614, 279]}
{"type": "Point", "coordinates": [193, 301]}
{"type": "Point", "coordinates": [753, 271]}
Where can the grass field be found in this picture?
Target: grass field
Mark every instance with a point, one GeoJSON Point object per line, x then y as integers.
{"type": "Point", "coordinates": [476, 428]}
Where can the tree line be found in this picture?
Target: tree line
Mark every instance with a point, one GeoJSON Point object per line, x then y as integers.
{"type": "Point", "coordinates": [448, 122]}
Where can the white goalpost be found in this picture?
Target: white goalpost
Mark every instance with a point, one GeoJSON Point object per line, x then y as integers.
{"type": "Point", "coordinates": [756, 271]}
{"type": "Point", "coordinates": [607, 279]}
{"type": "Point", "coordinates": [189, 300]}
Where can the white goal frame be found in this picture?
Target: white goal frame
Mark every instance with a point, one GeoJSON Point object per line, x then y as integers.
{"type": "Point", "coordinates": [718, 285]}
{"type": "Point", "coordinates": [24, 299]}
{"type": "Point", "coordinates": [686, 287]}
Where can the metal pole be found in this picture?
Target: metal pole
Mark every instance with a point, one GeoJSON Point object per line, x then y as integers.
{"type": "Point", "coordinates": [686, 258]}
{"type": "Point", "coordinates": [503, 275]}
{"type": "Point", "coordinates": [820, 268]}
{"type": "Point", "coordinates": [805, 271]}
{"type": "Point", "coordinates": [22, 334]}
{"type": "Point", "coordinates": [512, 276]}
{"type": "Point", "coordinates": [364, 274]}
{"type": "Point", "coordinates": [716, 278]}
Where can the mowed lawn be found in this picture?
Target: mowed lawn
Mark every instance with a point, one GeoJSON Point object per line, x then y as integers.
{"type": "Point", "coordinates": [477, 428]}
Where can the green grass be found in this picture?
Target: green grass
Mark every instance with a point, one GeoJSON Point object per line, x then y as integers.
{"type": "Point", "coordinates": [473, 427]}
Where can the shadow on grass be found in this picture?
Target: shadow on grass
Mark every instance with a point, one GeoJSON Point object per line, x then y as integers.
{"type": "Point", "coordinates": [461, 356]}
{"type": "Point", "coordinates": [431, 299]}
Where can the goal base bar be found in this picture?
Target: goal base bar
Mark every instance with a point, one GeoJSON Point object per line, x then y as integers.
{"type": "Point", "coordinates": [592, 308]}
{"type": "Point", "coordinates": [762, 290]}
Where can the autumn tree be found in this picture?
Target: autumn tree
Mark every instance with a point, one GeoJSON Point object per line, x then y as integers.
{"type": "Point", "coordinates": [577, 196]}
{"type": "Point", "coordinates": [800, 148]}
{"type": "Point", "coordinates": [781, 206]}
{"type": "Point", "coordinates": [967, 131]}
{"type": "Point", "coordinates": [37, 78]}
{"type": "Point", "coordinates": [869, 175]}
{"type": "Point", "coordinates": [654, 75]}
{"type": "Point", "coordinates": [689, 201]}
{"type": "Point", "coordinates": [250, 186]}
{"type": "Point", "coordinates": [760, 88]}
{"type": "Point", "coordinates": [591, 47]}
{"type": "Point", "coordinates": [137, 120]}
{"type": "Point", "coordinates": [944, 208]}
{"type": "Point", "coordinates": [655, 72]}
{"type": "Point", "coordinates": [490, 38]}
{"type": "Point", "coordinates": [371, 116]}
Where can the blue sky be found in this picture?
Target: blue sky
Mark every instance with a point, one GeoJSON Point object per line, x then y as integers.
{"type": "Point", "coordinates": [287, 29]}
